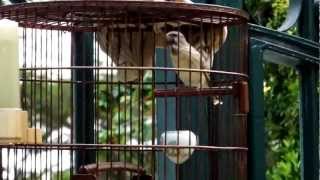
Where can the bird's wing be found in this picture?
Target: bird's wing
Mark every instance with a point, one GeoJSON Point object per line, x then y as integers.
{"type": "Point", "coordinates": [189, 57]}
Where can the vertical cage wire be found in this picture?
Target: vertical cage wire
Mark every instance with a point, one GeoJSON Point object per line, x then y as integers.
{"type": "Point", "coordinates": [127, 90]}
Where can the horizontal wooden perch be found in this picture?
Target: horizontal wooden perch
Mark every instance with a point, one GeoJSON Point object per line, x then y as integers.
{"type": "Point", "coordinates": [111, 166]}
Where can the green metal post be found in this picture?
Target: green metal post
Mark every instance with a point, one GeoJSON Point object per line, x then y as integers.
{"type": "Point", "coordinates": [82, 55]}
{"type": "Point", "coordinates": [256, 124]}
{"type": "Point", "coordinates": [307, 21]}
{"type": "Point", "coordinates": [309, 98]}
{"type": "Point", "coordinates": [317, 24]}
{"type": "Point", "coordinates": [166, 113]}
{"type": "Point", "coordinates": [231, 3]}
{"type": "Point", "coordinates": [309, 121]}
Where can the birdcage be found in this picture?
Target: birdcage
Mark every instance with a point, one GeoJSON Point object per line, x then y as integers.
{"type": "Point", "coordinates": [124, 90]}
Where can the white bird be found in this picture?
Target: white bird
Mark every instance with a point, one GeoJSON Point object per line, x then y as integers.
{"type": "Point", "coordinates": [129, 49]}
{"type": "Point", "coordinates": [137, 49]}
{"type": "Point", "coordinates": [195, 53]}
{"type": "Point", "coordinates": [186, 56]}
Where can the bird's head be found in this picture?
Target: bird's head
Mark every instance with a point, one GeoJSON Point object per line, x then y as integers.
{"type": "Point", "coordinates": [176, 40]}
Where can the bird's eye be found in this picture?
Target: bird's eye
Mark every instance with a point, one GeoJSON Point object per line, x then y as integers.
{"type": "Point", "coordinates": [206, 48]}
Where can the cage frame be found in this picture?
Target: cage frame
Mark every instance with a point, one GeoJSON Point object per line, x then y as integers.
{"type": "Point", "coordinates": [197, 9]}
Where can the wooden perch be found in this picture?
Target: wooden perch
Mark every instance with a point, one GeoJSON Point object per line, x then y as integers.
{"type": "Point", "coordinates": [111, 166]}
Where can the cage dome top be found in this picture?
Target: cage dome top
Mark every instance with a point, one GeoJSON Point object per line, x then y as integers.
{"type": "Point", "coordinates": [90, 15]}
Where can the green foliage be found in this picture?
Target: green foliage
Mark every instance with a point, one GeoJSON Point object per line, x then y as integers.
{"type": "Point", "coordinates": [269, 13]}
{"type": "Point", "coordinates": [50, 101]}
{"type": "Point", "coordinates": [279, 11]}
{"type": "Point", "coordinates": [282, 122]}
{"type": "Point", "coordinates": [288, 164]}
{"type": "Point", "coordinates": [64, 175]}
{"type": "Point", "coordinates": [125, 112]}
{"type": "Point", "coordinates": [259, 10]}
{"type": "Point", "coordinates": [282, 114]}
